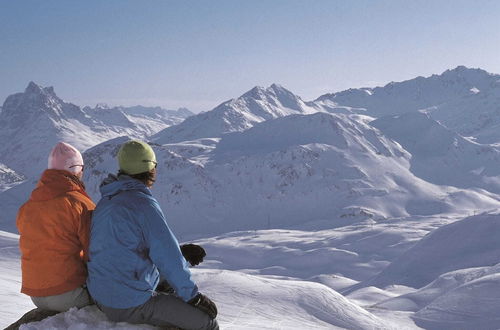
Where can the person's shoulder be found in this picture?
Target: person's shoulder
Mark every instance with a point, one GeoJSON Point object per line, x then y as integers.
{"type": "Point", "coordinates": [77, 197]}
{"type": "Point", "coordinates": [138, 197]}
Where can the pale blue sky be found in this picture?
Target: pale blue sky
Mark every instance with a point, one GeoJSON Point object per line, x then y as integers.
{"type": "Point", "coordinates": [200, 53]}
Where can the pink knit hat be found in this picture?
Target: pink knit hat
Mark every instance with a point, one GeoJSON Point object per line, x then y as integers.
{"type": "Point", "coordinates": [65, 157]}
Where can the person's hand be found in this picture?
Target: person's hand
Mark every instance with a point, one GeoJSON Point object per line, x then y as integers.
{"type": "Point", "coordinates": [193, 253]}
{"type": "Point", "coordinates": [164, 287]}
{"type": "Point", "coordinates": [204, 304]}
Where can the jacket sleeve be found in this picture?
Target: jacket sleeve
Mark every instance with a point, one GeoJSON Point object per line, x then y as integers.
{"type": "Point", "coordinates": [165, 253]}
{"type": "Point", "coordinates": [82, 219]}
{"type": "Point", "coordinates": [84, 232]}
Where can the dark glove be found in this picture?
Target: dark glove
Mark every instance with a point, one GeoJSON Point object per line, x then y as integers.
{"type": "Point", "coordinates": [164, 287]}
{"type": "Point", "coordinates": [204, 304]}
{"type": "Point", "coordinates": [193, 253]}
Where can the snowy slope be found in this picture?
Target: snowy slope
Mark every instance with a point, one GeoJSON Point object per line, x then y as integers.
{"type": "Point", "coordinates": [464, 100]}
{"type": "Point", "coordinates": [256, 279]}
{"type": "Point", "coordinates": [442, 156]}
{"type": "Point", "coordinates": [339, 168]}
{"type": "Point", "coordinates": [472, 242]}
{"type": "Point", "coordinates": [8, 177]}
{"type": "Point", "coordinates": [476, 115]}
{"type": "Point", "coordinates": [12, 304]}
{"type": "Point", "coordinates": [10, 201]}
{"type": "Point", "coordinates": [308, 199]}
{"type": "Point", "coordinates": [33, 121]}
{"type": "Point", "coordinates": [245, 301]}
{"type": "Point", "coordinates": [255, 106]}
{"type": "Point", "coordinates": [418, 93]}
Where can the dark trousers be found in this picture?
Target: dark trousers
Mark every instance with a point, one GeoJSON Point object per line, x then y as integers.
{"type": "Point", "coordinates": [163, 310]}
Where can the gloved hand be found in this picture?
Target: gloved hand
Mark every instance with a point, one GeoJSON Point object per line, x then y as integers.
{"type": "Point", "coordinates": [164, 287]}
{"type": "Point", "coordinates": [206, 305]}
{"type": "Point", "coordinates": [193, 253]}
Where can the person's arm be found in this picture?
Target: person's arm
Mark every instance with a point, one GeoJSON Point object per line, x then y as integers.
{"type": "Point", "coordinates": [165, 253]}
{"type": "Point", "coordinates": [82, 214]}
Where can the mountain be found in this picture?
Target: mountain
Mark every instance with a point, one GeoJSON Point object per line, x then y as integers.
{"type": "Point", "coordinates": [476, 115]}
{"type": "Point", "coordinates": [441, 156]}
{"type": "Point", "coordinates": [32, 122]}
{"type": "Point", "coordinates": [8, 177]}
{"type": "Point", "coordinates": [338, 168]}
{"type": "Point", "coordinates": [257, 105]}
{"type": "Point", "coordinates": [410, 95]}
{"type": "Point", "coordinates": [144, 120]}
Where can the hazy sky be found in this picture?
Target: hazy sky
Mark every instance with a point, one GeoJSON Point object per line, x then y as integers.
{"type": "Point", "coordinates": [200, 53]}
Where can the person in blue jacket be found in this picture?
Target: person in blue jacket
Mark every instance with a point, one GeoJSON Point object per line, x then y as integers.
{"type": "Point", "coordinates": [132, 248]}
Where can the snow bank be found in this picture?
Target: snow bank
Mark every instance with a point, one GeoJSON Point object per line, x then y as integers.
{"type": "Point", "coordinates": [248, 302]}
{"type": "Point", "coordinates": [471, 242]}
{"type": "Point", "coordinates": [474, 305]}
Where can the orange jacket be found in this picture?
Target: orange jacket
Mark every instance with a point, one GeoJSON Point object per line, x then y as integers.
{"type": "Point", "coordinates": [54, 225]}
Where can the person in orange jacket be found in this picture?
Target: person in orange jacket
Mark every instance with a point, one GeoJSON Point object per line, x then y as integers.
{"type": "Point", "coordinates": [54, 227]}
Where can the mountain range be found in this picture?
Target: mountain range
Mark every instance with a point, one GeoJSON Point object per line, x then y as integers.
{"type": "Point", "coordinates": [270, 159]}
{"type": "Point", "coordinates": [389, 195]}
{"type": "Point", "coordinates": [32, 122]}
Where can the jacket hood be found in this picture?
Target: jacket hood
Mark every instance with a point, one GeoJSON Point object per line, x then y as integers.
{"type": "Point", "coordinates": [55, 183]}
{"type": "Point", "coordinates": [113, 185]}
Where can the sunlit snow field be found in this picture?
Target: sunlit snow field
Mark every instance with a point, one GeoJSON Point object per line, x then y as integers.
{"type": "Point", "coordinates": [322, 279]}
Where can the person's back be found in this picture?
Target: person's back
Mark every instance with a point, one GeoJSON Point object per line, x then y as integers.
{"type": "Point", "coordinates": [124, 224]}
{"type": "Point", "coordinates": [131, 247]}
{"type": "Point", "coordinates": [54, 227]}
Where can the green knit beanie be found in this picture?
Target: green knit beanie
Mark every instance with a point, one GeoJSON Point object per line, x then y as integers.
{"type": "Point", "coordinates": [136, 157]}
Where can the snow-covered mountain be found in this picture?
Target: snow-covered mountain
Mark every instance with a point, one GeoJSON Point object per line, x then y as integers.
{"type": "Point", "coordinates": [257, 105]}
{"type": "Point", "coordinates": [476, 115]}
{"type": "Point", "coordinates": [33, 121]}
{"type": "Point", "coordinates": [419, 93]}
{"type": "Point", "coordinates": [140, 120]}
{"type": "Point", "coordinates": [8, 177]}
{"type": "Point", "coordinates": [442, 156]}
{"type": "Point", "coordinates": [285, 172]}
{"type": "Point", "coordinates": [307, 199]}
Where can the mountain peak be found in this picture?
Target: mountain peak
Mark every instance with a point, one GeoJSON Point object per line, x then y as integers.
{"type": "Point", "coordinates": [34, 88]}
{"type": "Point", "coordinates": [462, 70]}
{"type": "Point", "coordinates": [256, 92]}
{"type": "Point", "coordinates": [273, 91]}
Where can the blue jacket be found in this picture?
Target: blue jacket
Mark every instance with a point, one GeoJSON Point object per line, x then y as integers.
{"type": "Point", "coordinates": [131, 245]}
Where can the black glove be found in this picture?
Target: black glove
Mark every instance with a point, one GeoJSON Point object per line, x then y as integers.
{"type": "Point", "coordinates": [204, 304]}
{"type": "Point", "coordinates": [164, 287]}
{"type": "Point", "coordinates": [193, 253]}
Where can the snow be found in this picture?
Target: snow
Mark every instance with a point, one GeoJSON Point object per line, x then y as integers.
{"type": "Point", "coordinates": [35, 120]}
{"type": "Point", "coordinates": [277, 279]}
{"type": "Point", "coordinates": [372, 208]}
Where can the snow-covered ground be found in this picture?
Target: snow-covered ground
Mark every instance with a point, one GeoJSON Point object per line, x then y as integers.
{"type": "Point", "coordinates": [327, 279]}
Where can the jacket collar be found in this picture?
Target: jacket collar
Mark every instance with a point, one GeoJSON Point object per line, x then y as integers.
{"type": "Point", "coordinates": [113, 185]}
